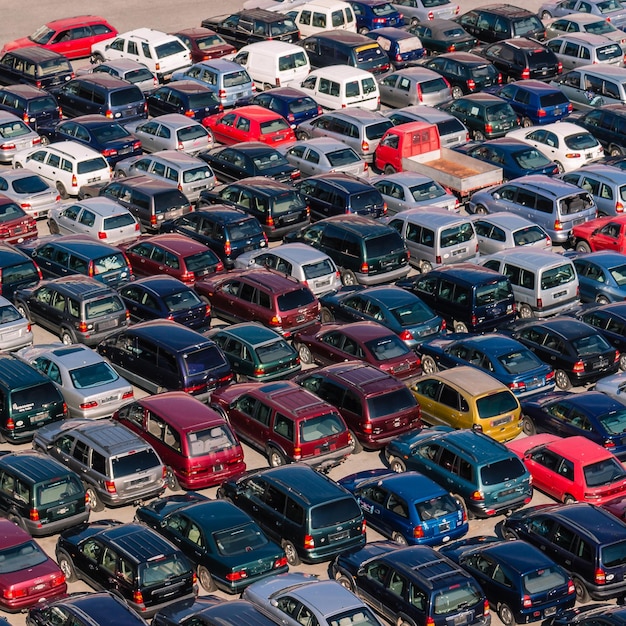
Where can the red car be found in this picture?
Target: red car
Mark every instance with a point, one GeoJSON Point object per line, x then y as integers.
{"type": "Point", "coordinates": [16, 226]}
{"type": "Point", "coordinates": [71, 36]}
{"type": "Point", "coordinates": [250, 123]}
{"type": "Point", "coordinates": [571, 468]}
{"type": "Point", "coordinates": [363, 341]}
{"type": "Point", "coordinates": [603, 233]}
{"type": "Point", "coordinates": [174, 255]}
{"type": "Point", "coordinates": [204, 43]}
{"type": "Point", "coordinates": [27, 574]}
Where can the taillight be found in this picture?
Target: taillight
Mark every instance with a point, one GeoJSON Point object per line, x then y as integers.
{"type": "Point", "coordinates": [488, 129]}
{"type": "Point", "coordinates": [431, 15]}
{"type": "Point", "coordinates": [74, 181]}
{"type": "Point", "coordinates": [599, 577]}
{"type": "Point", "coordinates": [109, 152]}
{"type": "Point", "coordinates": [471, 85]}
{"type": "Point", "coordinates": [110, 486]}
{"type": "Point", "coordinates": [406, 335]}
{"type": "Point", "coordinates": [227, 248]}
{"type": "Point", "coordinates": [34, 515]}
{"type": "Point", "coordinates": [499, 79]}
{"type": "Point", "coordinates": [558, 225]}
{"type": "Point", "coordinates": [233, 576]}
{"type": "Point", "coordinates": [270, 221]}
{"type": "Point", "coordinates": [365, 146]}
{"type": "Point", "coordinates": [365, 268]}
{"type": "Point", "coordinates": [128, 395]}
{"type": "Point", "coordinates": [541, 113]}
{"type": "Point", "coordinates": [309, 542]}
{"type": "Point", "coordinates": [10, 425]}
{"type": "Point", "coordinates": [570, 587]}
{"type": "Point", "coordinates": [559, 68]}
{"type": "Point", "coordinates": [189, 113]}
{"type": "Point", "coordinates": [138, 599]}
{"type": "Point", "coordinates": [525, 73]}
{"type": "Point", "coordinates": [573, 155]}
{"type": "Point", "coordinates": [486, 608]}
{"type": "Point", "coordinates": [419, 91]}
{"type": "Point", "coordinates": [418, 532]}
{"type": "Point", "coordinates": [477, 496]}
{"type": "Point", "coordinates": [579, 367]}
{"type": "Point", "coordinates": [527, 602]}
{"type": "Point", "coordinates": [282, 562]}
{"type": "Point", "coordinates": [102, 234]}
{"type": "Point", "coordinates": [108, 113]}
{"type": "Point", "coordinates": [89, 405]}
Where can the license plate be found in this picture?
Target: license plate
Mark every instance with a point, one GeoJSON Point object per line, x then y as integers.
{"type": "Point", "coordinates": [322, 283]}
{"type": "Point", "coordinates": [108, 399]}
{"type": "Point", "coordinates": [218, 468]}
{"type": "Point", "coordinates": [534, 384]}
{"type": "Point", "coordinates": [125, 150]}
{"type": "Point", "coordinates": [589, 155]}
{"type": "Point", "coordinates": [107, 324]}
{"type": "Point", "coordinates": [300, 318]}
{"type": "Point", "coordinates": [557, 111]}
{"type": "Point", "coordinates": [40, 417]}
{"type": "Point", "coordinates": [502, 420]}
{"type": "Point", "coordinates": [339, 536]}
{"type": "Point", "coordinates": [444, 528]}
{"type": "Point", "coordinates": [94, 180]}
{"type": "Point", "coordinates": [459, 251]}
{"type": "Point", "coordinates": [551, 610]}
{"type": "Point", "coordinates": [600, 364]}
{"type": "Point", "coordinates": [558, 294]}
{"type": "Point", "coordinates": [508, 492]}
{"type": "Point", "coordinates": [402, 368]}
{"type": "Point", "coordinates": [62, 510]}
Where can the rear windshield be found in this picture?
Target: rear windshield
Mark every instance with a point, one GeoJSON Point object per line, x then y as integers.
{"type": "Point", "coordinates": [541, 57]}
{"type": "Point", "coordinates": [103, 306]}
{"type": "Point", "coordinates": [295, 299]}
{"type": "Point", "coordinates": [429, 4]}
{"type": "Point", "coordinates": [369, 57]}
{"type": "Point", "coordinates": [576, 203]}
{"type": "Point", "coordinates": [436, 507]}
{"type": "Point", "coordinates": [23, 272]}
{"type": "Point", "coordinates": [10, 211]}
{"type": "Point", "coordinates": [383, 9]}
{"type": "Point", "coordinates": [203, 360]}
{"type": "Point", "coordinates": [612, 555]}
{"type": "Point", "coordinates": [413, 43]}
{"type": "Point", "coordinates": [601, 27]}
{"type": "Point", "coordinates": [204, 43]}
{"type": "Point", "coordinates": [244, 229]}
{"type": "Point", "coordinates": [581, 141]}
{"type": "Point", "coordinates": [138, 76]}
{"type": "Point", "coordinates": [29, 184]}
{"type": "Point", "coordinates": [609, 5]}
{"type": "Point", "coordinates": [164, 570]}
{"type": "Point", "coordinates": [493, 292]}
{"type": "Point", "coordinates": [9, 314]}
{"type": "Point", "coordinates": [110, 132]}
{"type": "Point", "coordinates": [274, 351]}
{"type": "Point", "coordinates": [502, 471]}
{"type": "Point", "coordinates": [93, 375]}
{"type": "Point", "coordinates": [39, 105]}
{"type": "Point", "coordinates": [543, 580]}
{"type": "Point", "coordinates": [169, 48]}
{"type": "Point", "coordinates": [14, 129]}
{"type": "Point", "coordinates": [321, 427]}
{"type": "Point", "coordinates": [234, 79]}
{"type": "Point", "coordinates": [345, 156]}
{"type": "Point", "coordinates": [119, 221]}
{"type": "Point", "coordinates": [427, 191]}
{"type": "Point", "coordinates": [134, 462]}
{"type": "Point", "coordinates": [288, 202]}
{"type": "Point", "coordinates": [484, 71]}
{"type": "Point", "coordinates": [614, 422]}
{"type": "Point", "coordinates": [189, 133]}
{"type": "Point", "coordinates": [456, 598]}
{"type": "Point", "coordinates": [386, 348]}
{"type": "Point", "coordinates": [132, 95]}
{"type": "Point", "coordinates": [210, 440]}
{"type": "Point", "coordinates": [34, 399]}
{"type": "Point", "coordinates": [530, 158]}
{"type": "Point", "coordinates": [53, 66]}
{"type": "Point", "coordinates": [92, 165]}
{"type": "Point", "coordinates": [526, 26]}
{"type": "Point", "coordinates": [376, 131]}
{"type": "Point", "coordinates": [109, 263]}
{"type": "Point", "coordinates": [433, 86]}
{"type": "Point", "coordinates": [608, 52]}
{"type": "Point", "coordinates": [590, 345]}
{"type": "Point", "coordinates": [461, 233]}
{"type": "Point", "coordinates": [202, 100]}
{"type": "Point", "coordinates": [366, 200]}
{"type": "Point", "coordinates": [413, 313]}
{"type": "Point", "coordinates": [496, 404]}
{"type": "Point", "coordinates": [335, 512]}
{"type": "Point", "coordinates": [554, 99]}
{"type": "Point", "coordinates": [557, 276]}
{"type": "Point", "coordinates": [302, 105]}
{"type": "Point", "coordinates": [21, 557]}
{"type": "Point", "coordinates": [169, 201]}
{"type": "Point", "coordinates": [269, 160]}
{"type": "Point", "coordinates": [182, 301]}
{"type": "Point", "coordinates": [58, 489]}
{"type": "Point", "coordinates": [319, 268]}
{"type": "Point", "coordinates": [450, 127]}
{"type": "Point", "coordinates": [201, 261]}
{"type": "Point", "coordinates": [274, 126]}
{"type": "Point", "coordinates": [389, 403]}
{"type": "Point", "coordinates": [604, 472]}
{"type": "Point", "coordinates": [358, 616]}
{"type": "Point", "coordinates": [500, 112]}
{"type": "Point", "coordinates": [383, 245]}
{"type": "Point", "coordinates": [519, 362]}
{"type": "Point", "coordinates": [240, 540]}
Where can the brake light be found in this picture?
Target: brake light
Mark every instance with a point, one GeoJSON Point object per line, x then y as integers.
{"type": "Point", "coordinates": [108, 113]}
{"type": "Point", "coordinates": [232, 576]}
{"type": "Point", "coordinates": [282, 562]}
{"type": "Point", "coordinates": [227, 248]}
{"type": "Point", "coordinates": [221, 93]}
{"type": "Point", "coordinates": [599, 577]}
{"type": "Point", "coordinates": [570, 587]}
{"type": "Point", "coordinates": [12, 594]}
{"type": "Point", "coordinates": [486, 608]}
{"type": "Point", "coordinates": [471, 85]}
{"type": "Point", "coordinates": [379, 20]}
{"type": "Point", "coordinates": [488, 128]}
{"type": "Point", "coordinates": [10, 424]}
{"type": "Point", "coordinates": [309, 542]}
{"type": "Point", "coordinates": [365, 268]}
{"type": "Point", "coordinates": [477, 495]}
{"type": "Point", "coordinates": [619, 207]}
{"type": "Point", "coordinates": [431, 15]}
{"type": "Point", "coordinates": [270, 221]}
{"type": "Point", "coordinates": [157, 67]}
{"type": "Point", "coordinates": [57, 579]}
{"type": "Point", "coordinates": [138, 599]}
{"type": "Point", "coordinates": [558, 225]}
{"type": "Point", "coordinates": [541, 113]}
{"type": "Point", "coordinates": [608, 444]}
{"type": "Point", "coordinates": [34, 515]}
{"type": "Point", "coordinates": [406, 335]}
{"type": "Point", "coordinates": [418, 532]}
{"type": "Point", "coordinates": [128, 395]}
{"type": "Point", "coordinates": [451, 48]}
{"type": "Point", "coordinates": [102, 235]}
{"type": "Point", "coordinates": [89, 405]}
{"type": "Point", "coordinates": [276, 320]}
{"type": "Point", "coordinates": [430, 621]}
{"type": "Point", "coordinates": [525, 73]}
{"type": "Point", "coordinates": [74, 181]}
{"type": "Point", "coordinates": [419, 90]}
{"type": "Point", "coordinates": [443, 325]}
{"type": "Point", "coordinates": [189, 113]}
{"type": "Point", "coordinates": [559, 68]}
{"type": "Point", "coordinates": [499, 79]}
{"type": "Point", "coordinates": [521, 387]}
{"type": "Point", "coordinates": [527, 602]}
{"type": "Point", "coordinates": [110, 486]}
{"type": "Point", "coordinates": [82, 327]}
{"type": "Point", "coordinates": [579, 367]}
{"type": "Point", "coordinates": [573, 155]}
{"type": "Point", "coordinates": [365, 146]}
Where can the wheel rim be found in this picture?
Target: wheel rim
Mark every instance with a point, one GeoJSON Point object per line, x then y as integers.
{"type": "Point", "coordinates": [560, 166]}
{"type": "Point", "coordinates": [349, 279]}
{"type": "Point", "coordinates": [276, 458]}
{"type": "Point", "coordinates": [478, 136]}
{"type": "Point", "coordinates": [426, 267]}
{"type": "Point", "coordinates": [562, 380]}
{"type": "Point", "coordinates": [390, 169]}
{"type": "Point", "coordinates": [528, 427]}
{"type": "Point", "coordinates": [582, 247]}
{"type": "Point", "coordinates": [326, 316]}
{"type": "Point", "coordinates": [460, 327]}
{"type": "Point", "coordinates": [622, 361]}
{"type": "Point", "coordinates": [22, 311]}
{"type": "Point", "coordinates": [581, 591]}
{"type": "Point", "coordinates": [92, 498]}
{"type": "Point", "coordinates": [509, 535]}
{"type": "Point", "coordinates": [602, 300]}
{"type": "Point", "coordinates": [505, 615]}
{"type": "Point", "coordinates": [44, 140]}
{"type": "Point", "coordinates": [66, 568]}
{"type": "Point", "coordinates": [66, 339]}
{"type": "Point", "coordinates": [525, 311]}
{"type": "Point", "coordinates": [457, 92]}
{"type": "Point", "coordinates": [344, 582]}
{"type": "Point", "coordinates": [397, 466]}
{"type": "Point", "coordinates": [615, 152]}
{"type": "Point", "coordinates": [481, 210]}
{"type": "Point", "coordinates": [398, 538]}
{"type": "Point", "coordinates": [305, 354]}
{"type": "Point", "coordinates": [290, 552]}
{"type": "Point", "coordinates": [428, 365]}
{"type": "Point", "coordinates": [526, 123]}
{"type": "Point", "coordinates": [205, 578]}
{"type": "Point", "coordinates": [172, 481]}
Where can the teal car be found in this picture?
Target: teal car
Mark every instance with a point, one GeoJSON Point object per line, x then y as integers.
{"type": "Point", "coordinates": [256, 353]}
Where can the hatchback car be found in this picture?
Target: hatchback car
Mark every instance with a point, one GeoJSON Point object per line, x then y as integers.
{"type": "Point", "coordinates": [584, 23]}
{"type": "Point", "coordinates": [415, 85]}
{"type": "Point", "coordinates": [15, 136]}
{"type": "Point", "coordinates": [611, 10]}
{"type": "Point", "coordinates": [294, 105]}
{"type": "Point", "coordinates": [31, 192]}
{"type": "Point", "coordinates": [607, 185]}
{"type": "Point", "coordinates": [502, 231]}
{"type": "Point", "coordinates": [322, 155]}
{"type": "Point", "coordinates": [495, 22]}
{"type": "Point", "coordinates": [406, 190]}
{"type": "Point", "coordinates": [402, 47]}
{"type": "Point", "coordinates": [601, 276]}
{"type": "Point", "coordinates": [609, 319]}
{"type": "Point", "coordinates": [185, 97]}
{"type": "Point", "coordinates": [34, 106]}
{"type": "Point", "coordinates": [131, 71]}
{"type": "Point", "coordinates": [15, 329]}
{"type": "Point", "coordinates": [35, 66]}
{"type": "Point", "coordinates": [172, 132]}
{"type": "Point", "coordinates": [373, 14]}
{"type": "Point", "coordinates": [441, 35]}
{"type": "Point", "coordinates": [16, 226]}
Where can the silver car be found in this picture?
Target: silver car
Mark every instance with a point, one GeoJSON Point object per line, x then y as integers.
{"type": "Point", "coordinates": [15, 330]}
{"type": "Point", "coordinates": [15, 135]}
{"type": "Point", "coordinates": [30, 191]}
{"type": "Point", "coordinates": [413, 85]}
{"type": "Point", "coordinates": [90, 387]}
{"type": "Point", "coordinates": [605, 183]}
{"type": "Point", "coordinates": [405, 190]}
{"type": "Point", "coordinates": [584, 23]}
{"type": "Point", "coordinates": [415, 11]}
{"type": "Point", "coordinates": [614, 386]}
{"type": "Point", "coordinates": [172, 132]}
{"type": "Point", "coordinates": [323, 154]}
{"type": "Point", "coordinates": [610, 10]}
{"type": "Point", "coordinates": [101, 218]}
{"type": "Point", "coordinates": [310, 266]}
{"type": "Point", "coordinates": [503, 231]}
{"type": "Point", "coordinates": [452, 132]}
{"type": "Point", "coordinates": [576, 49]}
{"type": "Point", "coordinates": [130, 70]}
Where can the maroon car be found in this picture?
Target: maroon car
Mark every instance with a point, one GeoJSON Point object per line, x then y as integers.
{"type": "Point", "coordinates": [204, 43]}
{"type": "Point", "coordinates": [16, 226]}
{"type": "Point", "coordinates": [174, 255]}
{"type": "Point", "coordinates": [364, 341]}
{"type": "Point", "coordinates": [27, 574]}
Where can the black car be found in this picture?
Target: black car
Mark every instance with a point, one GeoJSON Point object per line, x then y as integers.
{"type": "Point", "coordinates": [253, 158]}
{"type": "Point", "coordinates": [521, 583]}
{"type": "Point", "coordinates": [439, 36]}
{"type": "Point", "coordinates": [186, 97]}
{"type": "Point", "coordinates": [495, 22]}
{"type": "Point", "coordinates": [143, 568]}
{"type": "Point", "coordinates": [415, 583]}
{"type": "Point", "coordinates": [212, 611]}
{"type": "Point", "coordinates": [229, 232]}
{"type": "Point", "coordinates": [252, 25]}
{"type": "Point", "coordinates": [587, 541]}
{"type": "Point", "coordinates": [577, 351]}
{"type": "Point", "coordinates": [226, 545]}
{"type": "Point", "coordinates": [610, 320]}
{"type": "Point", "coordinates": [165, 297]}
{"type": "Point", "coordinates": [466, 72]}
{"type": "Point", "coordinates": [35, 106]}
{"type": "Point", "coordinates": [105, 135]}
{"type": "Point", "coordinates": [35, 66]}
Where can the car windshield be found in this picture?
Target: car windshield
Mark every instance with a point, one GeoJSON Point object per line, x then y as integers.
{"type": "Point", "coordinates": [608, 52]}
{"type": "Point", "coordinates": [284, 27]}
{"type": "Point", "coordinates": [274, 126]}
{"type": "Point", "coordinates": [502, 471]}
{"type": "Point", "coordinates": [240, 540]}
{"type": "Point", "coordinates": [290, 201]}
{"type": "Point", "coordinates": [10, 211]}
{"type": "Point", "coordinates": [530, 158]}
{"type": "Point", "coordinates": [21, 558]}
{"type": "Point", "coordinates": [54, 66]}
{"type": "Point", "coordinates": [182, 300]}
{"type": "Point", "coordinates": [614, 422]}
{"type": "Point", "coordinates": [385, 348]}
{"type": "Point", "coordinates": [383, 245]}
{"type": "Point", "coordinates": [619, 275]}
{"type": "Point", "coordinates": [519, 361]}
{"type": "Point", "coordinates": [413, 313]}
{"type": "Point", "coordinates": [234, 79]}
{"type": "Point", "coordinates": [604, 472]}
{"type": "Point", "coordinates": [203, 360]}
{"type": "Point", "coordinates": [613, 554]}
{"type": "Point", "coordinates": [34, 399]}
{"type": "Point", "coordinates": [429, 4]}
{"type": "Point", "coordinates": [376, 131]}
{"type": "Point", "coordinates": [496, 404]}
{"type": "Point", "coordinates": [42, 35]}
{"type": "Point", "coordinates": [456, 598]}
{"type": "Point", "coordinates": [527, 26]}
{"type": "Point", "coordinates": [557, 276]}
{"type": "Point", "coordinates": [321, 427]}
{"type": "Point", "coordinates": [529, 235]}
{"type": "Point", "coordinates": [335, 512]}
{"type": "Point", "coordinates": [493, 292]}
{"type": "Point", "coordinates": [170, 48]}
{"type": "Point", "coordinates": [156, 572]}
{"type": "Point", "coordinates": [103, 306]}
{"type": "Point", "coordinates": [544, 580]}
{"type": "Point", "coordinates": [205, 260]}
{"type": "Point", "coordinates": [345, 156]}
{"type": "Point", "coordinates": [427, 191]}
{"type": "Point", "coordinates": [17, 128]}
{"type": "Point", "coordinates": [210, 440]}
{"type": "Point", "coordinates": [92, 165]}
{"type": "Point", "coordinates": [590, 345]}
{"type": "Point", "coordinates": [389, 403]}
{"type": "Point", "coordinates": [366, 200]}
{"type": "Point", "coordinates": [274, 351]}
{"type": "Point", "coordinates": [455, 235]}
{"type": "Point", "coordinates": [295, 299]}
{"type": "Point", "coordinates": [609, 5]}
{"type": "Point", "coordinates": [111, 132]}
{"type": "Point", "coordinates": [581, 141]}
{"type": "Point", "coordinates": [133, 462]}
{"type": "Point", "coordinates": [20, 273]}
{"type": "Point", "coordinates": [9, 314]}
{"type": "Point", "coordinates": [359, 616]}
{"type": "Point", "coordinates": [436, 507]}
{"type": "Point", "coordinates": [244, 229]}
{"type": "Point", "coordinates": [119, 221]}
{"type": "Point", "coordinates": [109, 263]}
{"type": "Point", "coordinates": [318, 269]}
{"type": "Point", "coordinates": [269, 160]}
{"type": "Point", "coordinates": [93, 375]}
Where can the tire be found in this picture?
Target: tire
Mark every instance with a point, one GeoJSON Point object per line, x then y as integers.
{"type": "Point", "coordinates": [425, 267]}
{"type": "Point", "coordinates": [429, 365]}
{"type": "Point", "coordinates": [305, 354]}
{"type": "Point", "coordinates": [615, 151]}
{"type": "Point", "coordinates": [568, 499]}
{"type": "Point", "coordinates": [172, 481]}
{"type": "Point", "coordinates": [526, 122]}
{"type": "Point", "coordinates": [399, 538]}
{"type": "Point", "coordinates": [290, 552]}
{"type": "Point", "coordinates": [241, 378]}
{"type": "Point", "coordinates": [582, 595]}
{"type": "Point", "coordinates": [302, 136]}
{"type": "Point", "coordinates": [364, 31]}
{"type": "Point", "coordinates": [326, 316]}
{"type": "Point", "coordinates": [456, 92]}
{"type": "Point", "coordinates": [357, 448]}
{"type": "Point", "coordinates": [44, 141]}
{"type": "Point", "coordinates": [205, 579]}
{"type": "Point", "coordinates": [276, 457]}
{"type": "Point", "coordinates": [389, 169]}
{"type": "Point", "coordinates": [53, 227]}
{"type": "Point", "coordinates": [67, 337]}
{"type": "Point", "coordinates": [62, 190]}
{"type": "Point", "coordinates": [560, 167]}
{"type": "Point", "coordinates": [397, 465]}
{"type": "Point", "coordinates": [120, 174]}
{"type": "Point", "coordinates": [66, 566]}
{"type": "Point", "coordinates": [18, 166]}
{"type": "Point", "coordinates": [525, 311]}
{"type": "Point", "coordinates": [23, 310]}
{"type": "Point", "coordinates": [345, 580]}
{"type": "Point", "coordinates": [528, 426]}
{"type": "Point", "coordinates": [460, 327]}
{"type": "Point", "coordinates": [478, 135]}
{"type": "Point", "coordinates": [95, 503]}
{"type": "Point", "coordinates": [583, 246]}
{"type": "Point", "coordinates": [509, 534]}
{"type": "Point", "coordinates": [414, 21]}
{"type": "Point", "coordinates": [546, 15]}
{"type": "Point", "coordinates": [622, 361]}
{"type": "Point", "coordinates": [96, 57]}
{"type": "Point", "coordinates": [602, 300]}
{"type": "Point", "coordinates": [348, 278]}
{"type": "Point", "coordinates": [562, 380]}
{"type": "Point", "coordinates": [480, 210]}
{"type": "Point", "coordinates": [506, 615]}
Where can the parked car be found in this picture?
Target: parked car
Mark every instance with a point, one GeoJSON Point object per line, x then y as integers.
{"type": "Point", "coordinates": [402, 47]}
{"type": "Point", "coordinates": [612, 11]}
{"type": "Point", "coordinates": [600, 275]}
{"type": "Point", "coordinates": [322, 155]}
{"type": "Point", "coordinates": [204, 43]}
{"type": "Point", "coordinates": [186, 97]}
{"type": "Point", "coordinates": [609, 319]}
{"type": "Point", "coordinates": [15, 329]}
{"type": "Point", "coordinates": [414, 85]}
{"type": "Point", "coordinates": [440, 35]}
{"type": "Point", "coordinates": [33, 194]}
{"type": "Point", "coordinates": [576, 49]}
{"type": "Point", "coordinates": [373, 14]}
{"type": "Point", "coordinates": [172, 132]}
{"type": "Point", "coordinates": [496, 22]}
{"type": "Point", "coordinates": [129, 70]}
{"type": "Point", "coordinates": [294, 105]}
{"type": "Point", "coordinates": [35, 66]}
{"type": "Point", "coordinates": [16, 226]}
{"type": "Point", "coordinates": [606, 184]}
{"type": "Point", "coordinates": [605, 124]}
{"type": "Point", "coordinates": [210, 608]}
{"type": "Point", "coordinates": [16, 270]}
{"type": "Point", "coordinates": [16, 136]}
{"type": "Point", "coordinates": [34, 106]}
{"type": "Point", "coordinates": [502, 231]}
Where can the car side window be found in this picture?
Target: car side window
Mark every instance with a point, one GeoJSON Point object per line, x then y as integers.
{"type": "Point", "coordinates": [92, 549]}
{"type": "Point", "coordinates": [377, 571]}
{"type": "Point", "coordinates": [284, 427]}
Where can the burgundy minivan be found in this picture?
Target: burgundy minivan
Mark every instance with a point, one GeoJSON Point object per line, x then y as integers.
{"type": "Point", "coordinates": [195, 442]}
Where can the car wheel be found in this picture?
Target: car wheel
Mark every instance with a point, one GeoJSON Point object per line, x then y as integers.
{"type": "Point", "coordinates": [389, 170]}
{"type": "Point", "coordinates": [205, 579]}
{"type": "Point", "coordinates": [345, 580]}
{"type": "Point", "coordinates": [23, 310]}
{"type": "Point", "coordinates": [53, 227]}
{"type": "Point", "coordinates": [568, 499]}
{"type": "Point", "coordinates": [525, 311]}
{"type": "Point", "coordinates": [582, 595]}
{"type": "Point", "coordinates": [44, 140]}
{"type": "Point", "coordinates": [480, 210]}
{"type": "Point", "coordinates": [526, 122]}
{"type": "Point", "coordinates": [602, 300]}
{"type": "Point", "coordinates": [304, 353]}
{"type": "Point", "coordinates": [615, 151]}
{"type": "Point", "coordinates": [326, 316]}
{"type": "Point", "coordinates": [302, 136]}
{"type": "Point", "coordinates": [66, 566]}
{"type": "Point", "coordinates": [509, 534]}
{"type": "Point", "coordinates": [560, 167]}
{"type": "Point", "coordinates": [399, 538]}
{"type": "Point", "coordinates": [276, 457]}
{"type": "Point", "coordinates": [290, 552]}
{"type": "Point", "coordinates": [397, 465]}
{"type": "Point", "coordinates": [364, 30]}
{"type": "Point", "coordinates": [67, 337]}
{"type": "Point", "coordinates": [357, 448]}
{"type": "Point", "coordinates": [506, 615]}
{"type": "Point", "coordinates": [96, 57]}
{"type": "Point", "coordinates": [241, 378]}
{"type": "Point", "coordinates": [425, 267]}
{"type": "Point", "coordinates": [172, 481]}
{"type": "Point", "coordinates": [414, 21]}
{"type": "Point", "coordinates": [528, 426]}
{"type": "Point", "coordinates": [62, 191]}
{"type": "Point", "coordinates": [429, 365]}
{"type": "Point", "coordinates": [92, 498]}
{"type": "Point", "coordinates": [119, 174]}
{"type": "Point", "coordinates": [562, 380]}
{"type": "Point", "coordinates": [348, 278]}
{"type": "Point", "coordinates": [460, 327]}
{"type": "Point", "coordinates": [17, 165]}
{"type": "Point", "coordinates": [583, 246]}
{"type": "Point", "coordinates": [462, 504]}
{"type": "Point", "coordinates": [546, 15]}
{"type": "Point", "coordinates": [478, 135]}
{"type": "Point", "coordinates": [456, 92]}
{"type": "Point", "coordinates": [622, 361]}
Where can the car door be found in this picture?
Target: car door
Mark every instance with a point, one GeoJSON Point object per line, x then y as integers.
{"type": "Point", "coordinates": [328, 348]}
{"type": "Point", "coordinates": [558, 419]}
{"type": "Point", "coordinates": [88, 560]}
{"type": "Point", "coordinates": [551, 473]}
{"type": "Point", "coordinates": [428, 391]}
{"type": "Point", "coordinates": [492, 576]}
{"type": "Point", "coordinates": [371, 581]}
{"type": "Point", "coordinates": [223, 129]}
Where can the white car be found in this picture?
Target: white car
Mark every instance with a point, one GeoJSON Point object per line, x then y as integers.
{"type": "Point", "coordinates": [67, 165]}
{"type": "Point", "coordinates": [569, 145]}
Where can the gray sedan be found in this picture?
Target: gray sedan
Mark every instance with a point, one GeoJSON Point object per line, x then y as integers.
{"type": "Point", "coordinates": [321, 155]}
{"type": "Point", "coordinates": [415, 11]}
{"type": "Point", "coordinates": [413, 85]}
{"type": "Point", "coordinates": [89, 385]}
{"type": "Point", "coordinates": [30, 191]}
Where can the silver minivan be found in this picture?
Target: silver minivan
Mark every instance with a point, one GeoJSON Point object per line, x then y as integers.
{"type": "Point", "coordinates": [435, 237]}
{"type": "Point", "coordinates": [578, 49]}
{"type": "Point", "coordinates": [413, 85]}
{"type": "Point", "coordinates": [591, 86]}
{"type": "Point", "coordinates": [544, 283]}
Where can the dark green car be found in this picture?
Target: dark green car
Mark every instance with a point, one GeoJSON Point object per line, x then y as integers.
{"type": "Point", "coordinates": [441, 35]}
{"type": "Point", "coordinates": [227, 547]}
{"type": "Point", "coordinates": [255, 352]}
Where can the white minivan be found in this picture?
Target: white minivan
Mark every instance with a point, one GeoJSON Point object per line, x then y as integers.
{"type": "Point", "coordinates": [274, 64]}
{"type": "Point", "coordinates": [321, 15]}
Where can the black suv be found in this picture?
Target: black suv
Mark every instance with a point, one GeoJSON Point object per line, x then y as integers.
{"type": "Point", "coordinates": [608, 125]}
{"type": "Point", "coordinates": [589, 542]}
{"type": "Point", "coordinates": [252, 25]}
{"type": "Point", "coordinates": [35, 66]}
{"type": "Point", "coordinates": [227, 231]}
{"type": "Point", "coordinates": [35, 106]}
{"type": "Point", "coordinates": [338, 193]}
{"type": "Point", "coordinates": [415, 585]}
{"type": "Point", "coordinates": [142, 567]}
{"type": "Point", "coordinates": [186, 97]}
{"type": "Point", "coordinates": [495, 22]}
{"type": "Point", "coordinates": [520, 59]}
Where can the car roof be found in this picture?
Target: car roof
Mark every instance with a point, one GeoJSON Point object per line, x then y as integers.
{"type": "Point", "coordinates": [175, 120]}
{"type": "Point", "coordinates": [105, 80]}
{"type": "Point", "coordinates": [518, 555]}
{"type": "Point", "coordinates": [325, 596]}
{"type": "Point", "coordinates": [346, 182]}
{"type": "Point", "coordinates": [277, 281]}
{"type": "Point", "coordinates": [187, 412]}
{"type": "Point", "coordinates": [221, 65]}
{"type": "Point", "coordinates": [187, 86]}
{"type": "Point", "coordinates": [506, 220]}
{"type": "Point", "coordinates": [73, 149]}
{"type": "Point", "coordinates": [36, 54]}
{"type": "Point", "coordinates": [227, 214]}
{"type": "Point", "coordinates": [365, 377]}
{"type": "Point", "coordinates": [253, 148]}
{"type": "Point", "coordinates": [251, 333]}
{"type": "Point", "coordinates": [608, 172]}
{"type": "Point", "coordinates": [471, 379]}
{"type": "Point", "coordinates": [72, 356]}
{"type": "Point", "coordinates": [581, 448]}
{"type": "Point", "coordinates": [345, 72]}
{"type": "Point", "coordinates": [359, 224]}
{"type": "Point", "coordinates": [105, 207]}
{"type": "Point", "coordinates": [175, 242]}
{"type": "Point", "coordinates": [604, 258]}
{"type": "Point", "coordinates": [79, 20]}
{"type": "Point", "coordinates": [411, 485]}
{"type": "Point", "coordinates": [535, 257]}
{"type": "Point", "coordinates": [167, 333]}
{"type": "Point", "coordinates": [298, 253]}
{"type": "Point", "coordinates": [567, 327]}
{"type": "Point", "coordinates": [161, 284]}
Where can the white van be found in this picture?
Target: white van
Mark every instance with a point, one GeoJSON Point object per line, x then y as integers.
{"type": "Point", "coordinates": [342, 86]}
{"type": "Point", "coordinates": [321, 15]}
{"type": "Point", "coordinates": [274, 64]}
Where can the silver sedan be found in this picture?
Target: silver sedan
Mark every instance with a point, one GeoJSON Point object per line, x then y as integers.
{"type": "Point", "coordinates": [321, 155]}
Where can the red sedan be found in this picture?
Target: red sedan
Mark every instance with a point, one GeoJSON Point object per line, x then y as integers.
{"type": "Point", "coordinates": [604, 233]}
{"type": "Point", "coordinates": [250, 123]}
{"type": "Point", "coordinates": [204, 43]}
{"type": "Point", "coordinates": [363, 341]}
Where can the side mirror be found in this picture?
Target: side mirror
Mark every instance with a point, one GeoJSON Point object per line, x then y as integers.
{"type": "Point", "coordinates": [495, 195]}
{"type": "Point", "coordinates": [360, 571]}
{"type": "Point", "coordinates": [595, 231]}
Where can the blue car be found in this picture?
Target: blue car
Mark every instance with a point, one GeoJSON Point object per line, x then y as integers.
{"type": "Point", "coordinates": [294, 105]}
{"type": "Point", "coordinates": [409, 508]}
{"type": "Point", "coordinates": [402, 48]}
{"type": "Point", "coordinates": [373, 14]}
{"type": "Point", "coordinates": [397, 309]}
{"type": "Point", "coordinates": [601, 276]}
{"type": "Point", "coordinates": [591, 414]}
{"type": "Point", "coordinates": [515, 157]}
{"type": "Point", "coordinates": [504, 358]}
{"type": "Point", "coordinates": [521, 583]}
{"type": "Point", "coordinates": [534, 101]}
{"type": "Point", "coordinates": [186, 97]}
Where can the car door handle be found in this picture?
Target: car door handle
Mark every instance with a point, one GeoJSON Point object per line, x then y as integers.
{"type": "Point", "coordinates": [553, 358]}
